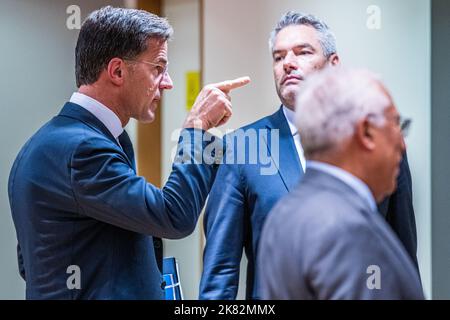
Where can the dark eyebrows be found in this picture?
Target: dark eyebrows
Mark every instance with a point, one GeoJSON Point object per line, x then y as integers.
{"type": "Point", "coordinates": [161, 60]}
{"type": "Point", "coordinates": [277, 52]}
{"type": "Point", "coordinates": [305, 46]}
{"type": "Point", "coordinates": [300, 46]}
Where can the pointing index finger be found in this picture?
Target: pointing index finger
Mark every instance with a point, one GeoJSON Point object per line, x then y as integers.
{"type": "Point", "coordinates": [228, 85]}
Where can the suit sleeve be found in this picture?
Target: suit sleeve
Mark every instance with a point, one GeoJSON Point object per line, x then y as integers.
{"type": "Point", "coordinates": [107, 188]}
{"type": "Point", "coordinates": [224, 231]}
{"type": "Point", "coordinates": [399, 212]}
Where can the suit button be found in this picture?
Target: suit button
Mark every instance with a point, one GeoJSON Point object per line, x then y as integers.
{"type": "Point", "coordinates": [163, 285]}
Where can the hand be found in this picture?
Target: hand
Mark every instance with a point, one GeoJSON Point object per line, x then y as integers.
{"type": "Point", "coordinates": [212, 107]}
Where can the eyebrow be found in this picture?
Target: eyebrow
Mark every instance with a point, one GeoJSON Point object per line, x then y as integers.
{"type": "Point", "coordinates": [299, 46]}
{"type": "Point", "coordinates": [162, 60]}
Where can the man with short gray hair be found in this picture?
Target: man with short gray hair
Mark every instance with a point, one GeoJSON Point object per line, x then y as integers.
{"type": "Point", "coordinates": [87, 224]}
{"type": "Point", "coordinates": [326, 239]}
{"type": "Point", "coordinates": [241, 197]}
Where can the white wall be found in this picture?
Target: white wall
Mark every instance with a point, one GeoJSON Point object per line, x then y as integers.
{"type": "Point", "coordinates": [236, 34]}
{"type": "Point", "coordinates": [184, 56]}
{"type": "Point", "coordinates": [37, 54]}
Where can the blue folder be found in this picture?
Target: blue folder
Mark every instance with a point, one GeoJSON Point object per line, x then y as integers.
{"type": "Point", "coordinates": [172, 279]}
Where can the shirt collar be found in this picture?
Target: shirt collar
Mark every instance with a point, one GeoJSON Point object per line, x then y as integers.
{"type": "Point", "coordinates": [100, 111]}
{"type": "Point", "coordinates": [352, 181]}
{"type": "Point", "coordinates": [290, 116]}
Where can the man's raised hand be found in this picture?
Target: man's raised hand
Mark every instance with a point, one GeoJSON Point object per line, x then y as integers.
{"type": "Point", "coordinates": [212, 107]}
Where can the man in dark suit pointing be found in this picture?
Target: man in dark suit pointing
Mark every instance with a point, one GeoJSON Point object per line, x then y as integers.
{"type": "Point", "coordinates": [85, 220]}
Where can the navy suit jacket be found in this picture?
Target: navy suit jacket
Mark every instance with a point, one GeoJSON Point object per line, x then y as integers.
{"type": "Point", "coordinates": [76, 200]}
{"type": "Point", "coordinates": [241, 198]}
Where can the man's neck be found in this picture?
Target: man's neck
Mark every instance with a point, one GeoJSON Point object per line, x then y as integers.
{"type": "Point", "coordinates": [353, 165]}
{"type": "Point", "coordinates": [290, 107]}
{"type": "Point", "coordinates": [107, 100]}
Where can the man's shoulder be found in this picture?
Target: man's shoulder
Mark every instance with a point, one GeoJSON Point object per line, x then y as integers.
{"type": "Point", "coordinates": [65, 134]}
{"type": "Point", "coordinates": [310, 207]}
{"type": "Point", "coordinates": [251, 133]}
{"type": "Point", "coordinates": [75, 128]}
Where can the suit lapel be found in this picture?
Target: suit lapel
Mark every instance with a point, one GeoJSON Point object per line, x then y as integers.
{"type": "Point", "coordinates": [287, 162]}
{"type": "Point", "coordinates": [77, 112]}
{"type": "Point", "coordinates": [74, 111]}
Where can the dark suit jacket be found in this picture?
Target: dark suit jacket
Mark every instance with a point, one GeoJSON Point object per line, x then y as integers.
{"type": "Point", "coordinates": [238, 203]}
{"type": "Point", "coordinates": [76, 199]}
{"type": "Point", "coordinates": [241, 198]}
{"type": "Point", "coordinates": [323, 241]}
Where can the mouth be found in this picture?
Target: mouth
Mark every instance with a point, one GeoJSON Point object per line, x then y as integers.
{"type": "Point", "coordinates": [157, 99]}
{"type": "Point", "coordinates": [154, 103]}
{"type": "Point", "coordinates": [292, 79]}
{"type": "Point", "coordinates": [397, 172]}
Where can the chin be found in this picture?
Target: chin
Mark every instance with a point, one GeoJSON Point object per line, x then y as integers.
{"type": "Point", "coordinates": [147, 118]}
{"type": "Point", "coordinates": [289, 95]}
{"type": "Point", "coordinates": [392, 188]}
{"type": "Point", "coordinates": [150, 118]}
{"type": "Point", "coordinates": [148, 115]}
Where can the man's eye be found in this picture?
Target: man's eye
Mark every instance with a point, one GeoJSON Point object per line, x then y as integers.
{"type": "Point", "coordinates": [305, 52]}
{"type": "Point", "coordinates": [278, 59]}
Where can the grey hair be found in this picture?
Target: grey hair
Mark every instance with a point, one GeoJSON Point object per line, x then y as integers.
{"type": "Point", "coordinates": [110, 32]}
{"type": "Point", "coordinates": [326, 37]}
{"type": "Point", "coordinates": [332, 101]}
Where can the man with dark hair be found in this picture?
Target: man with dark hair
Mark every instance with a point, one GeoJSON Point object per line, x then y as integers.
{"type": "Point", "coordinates": [241, 196]}
{"type": "Point", "coordinates": [85, 220]}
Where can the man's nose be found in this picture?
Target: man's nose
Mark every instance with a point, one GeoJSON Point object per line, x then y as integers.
{"type": "Point", "coordinates": [290, 62]}
{"type": "Point", "coordinates": [166, 82]}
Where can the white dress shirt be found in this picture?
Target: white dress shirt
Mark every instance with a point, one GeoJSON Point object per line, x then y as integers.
{"type": "Point", "coordinates": [290, 115]}
{"type": "Point", "coordinates": [355, 183]}
{"type": "Point", "coordinates": [101, 112]}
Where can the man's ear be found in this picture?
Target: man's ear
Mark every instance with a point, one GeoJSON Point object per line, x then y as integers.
{"type": "Point", "coordinates": [334, 60]}
{"type": "Point", "coordinates": [365, 134]}
{"type": "Point", "coordinates": [116, 70]}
